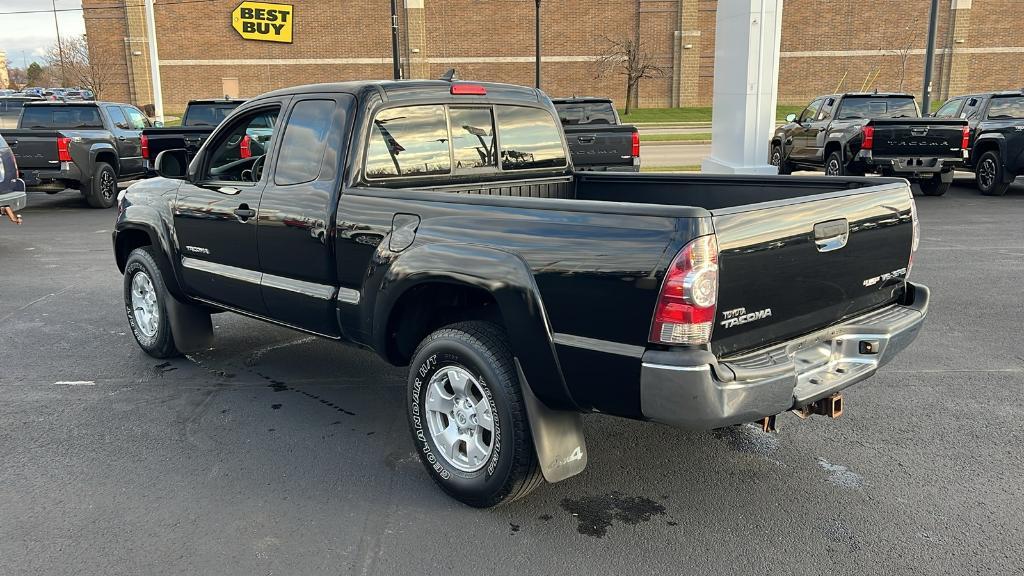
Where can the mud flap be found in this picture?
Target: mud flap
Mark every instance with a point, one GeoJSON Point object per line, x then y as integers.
{"type": "Point", "coordinates": [190, 326]}
{"type": "Point", "coordinates": [557, 436]}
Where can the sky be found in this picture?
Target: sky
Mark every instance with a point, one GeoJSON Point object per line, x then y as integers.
{"type": "Point", "coordinates": [31, 34]}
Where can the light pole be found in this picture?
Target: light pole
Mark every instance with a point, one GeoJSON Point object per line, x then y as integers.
{"type": "Point", "coordinates": [536, 79]}
{"type": "Point", "coordinates": [395, 62]}
{"type": "Point", "coordinates": [60, 46]}
{"type": "Point", "coordinates": [154, 62]}
{"type": "Point", "coordinates": [929, 55]}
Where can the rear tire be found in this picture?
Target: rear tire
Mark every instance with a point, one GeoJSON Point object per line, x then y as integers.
{"type": "Point", "coordinates": [100, 191]}
{"type": "Point", "coordinates": [777, 159]}
{"type": "Point", "coordinates": [988, 175]}
{"type": "Point", "coordinates": [935, 186]}
{"type": "Point", "coordinates": [462, 381]}
{"type": "Point", "coordinates": [145, 302]}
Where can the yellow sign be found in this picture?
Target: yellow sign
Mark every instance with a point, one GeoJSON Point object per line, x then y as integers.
{"type": "Point", "coordinates": [263, 21]}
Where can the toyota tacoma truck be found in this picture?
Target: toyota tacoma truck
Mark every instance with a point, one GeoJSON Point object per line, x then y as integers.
{"type": "Point", "coordinates": [856, 133]}
{"type": "Point", "coordinates": [996, 121]}
{"type": "Point", "coordinates": [88, 146]}
{"type": "Point", "coordinates": [442, 225]}
{"type": "Point", "coordinates": [199, 120]}
{"type": "Point", "coordinates": [597, 139]}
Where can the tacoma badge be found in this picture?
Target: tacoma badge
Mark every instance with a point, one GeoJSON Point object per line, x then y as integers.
{"type": "Point", "coordinates": [738, 316]}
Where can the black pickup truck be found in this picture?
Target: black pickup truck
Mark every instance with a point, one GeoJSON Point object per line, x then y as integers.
{"type": "Point", "coordinates": [442, 225]}
{"type": "Point", "coordinates": [88, 146]}
{"type": "Point", "coordinates": [199, 120]}
{"type": "Point", "coordinates": [996, 121]}
{"type": "Point", "coordinates": [597, 140]}
{"type": "Point", "coordinates": [856, 133]}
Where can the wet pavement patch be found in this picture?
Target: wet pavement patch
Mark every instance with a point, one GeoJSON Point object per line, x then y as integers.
{"type": "Point", "coordinates": [595, 514]}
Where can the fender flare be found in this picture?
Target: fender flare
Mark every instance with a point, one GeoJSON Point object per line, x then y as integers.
{"type": "Point", "coordinates": [102, 148]}
{"type": "Point", "coordinates": [146, 219]}
{"type": "Point", "coordinates": [556, 426]}
{"type": "Point", "coordinates": [1000, 142]}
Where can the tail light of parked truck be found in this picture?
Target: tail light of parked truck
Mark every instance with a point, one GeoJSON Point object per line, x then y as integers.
{"type": "Point", "coordinates": [245, 147]}
{"type": "Point", "coordinates": [966, 138]}
{"type": "Point", "coordinates": [685, 313]}
{"type": "Point", "coordinates": [63, 154]}
{"type": "Point", "coordinates": [869, 138]}
{"type": "Point", "coordinates": [636, 145]}
{"type": "Point", "coordinates": [145, 146]}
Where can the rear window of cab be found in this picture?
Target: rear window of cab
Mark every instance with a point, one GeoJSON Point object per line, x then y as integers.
{"type": "Point", "coordinates": [439, 140]}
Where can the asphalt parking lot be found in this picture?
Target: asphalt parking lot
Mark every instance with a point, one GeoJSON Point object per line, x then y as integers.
{"type": "Point", "coordinates": [279, 453]}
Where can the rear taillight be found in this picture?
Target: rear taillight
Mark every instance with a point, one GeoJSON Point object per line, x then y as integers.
{"type": "Point", "coordinates": [966, 139]}
{"type": "Point", "coordinates": [685, 313]}
{"type": "Point", "coordinates": [636, 145]}
{"type": "Point", "coordinates": [917, 234]}
{"type": "Point", "coordinates": [244, 148]}
{"type": "Point", "coordinates": [62, 149]}
{"type": "Point", "coordinates": [145, 146]}
{"type": "Point", "coordinates": [869, 138]}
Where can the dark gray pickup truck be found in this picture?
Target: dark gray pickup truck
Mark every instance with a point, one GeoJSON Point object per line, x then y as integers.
{"type": "Point", "coordinates": [88, 146]}
{"type": "Point", "coordinates": [442, 225]}
{"type": "Point", "coordinates": [597, 139]}
{"type": "Point", "coordinates": [199, 120]}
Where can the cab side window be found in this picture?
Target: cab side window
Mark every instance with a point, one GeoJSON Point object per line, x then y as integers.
{"type": "Point", "coordinates": [972, 108]}
{"type": "Point", "coordinates": [242, 147]}
{"type": "Point", "coordinates": [117, 117]}
{"type": "Point", "coordinates": [811, 112]}
{"type": "Point", "coordinates": [136, 119]}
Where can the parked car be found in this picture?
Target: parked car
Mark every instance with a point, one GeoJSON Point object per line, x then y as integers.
{"type": "Point", "coordinates": [12, 188]}
{"type": "Point", "coordinates": [443, 226]}
{"type": "Point", "coordinates": [597, 139]}
{"type": "Point", "coordinates": [73, 96]}
{"type": "Point", "coordinates": [10, 108]}
{"type": "Point", "coordinates": [996, 121]}
{"type": "Point", "coordinates": [856, 133]}
{"type": "Point", "coordinates": [199, 120]}
{"type": "Point", "coordinates": [87, 146]}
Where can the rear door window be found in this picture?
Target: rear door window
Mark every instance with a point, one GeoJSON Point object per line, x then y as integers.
{"type": "Point", "coordinates": [950, 109]}
{"type": "Point", "coordinates": [305, 139]}
{"type": "Point", "coordinates": [529, 138]}
{"type": "Point", "coordinates": [1006, 108]}
{"type": "Point", "coordinates": [408, 141]}
{"type": "Point", "coordinates": [473, 144]}
{"type": "Point", "coordinates": [117, 117]}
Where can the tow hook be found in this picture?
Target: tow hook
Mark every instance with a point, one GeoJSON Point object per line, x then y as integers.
{"type": "Point", "coordinates": [831, 407]}
{"type": "Point", "coordinates": [15, 218]}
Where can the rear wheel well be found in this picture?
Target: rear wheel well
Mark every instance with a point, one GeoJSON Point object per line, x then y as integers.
{"type": "Point", "coordinates": [109, 158]}
{"type": "Point", "coordinates": [128, 240]}
{"type": "Point", "coordinates": [429, 306]}
{"type": "Point", "coordinates": [831, 147]}
{"type": "Point", "coordinates": [981, 148]}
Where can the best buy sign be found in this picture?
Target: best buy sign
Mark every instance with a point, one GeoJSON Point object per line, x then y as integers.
{"type": "Point", "coordinates": [263, 21]}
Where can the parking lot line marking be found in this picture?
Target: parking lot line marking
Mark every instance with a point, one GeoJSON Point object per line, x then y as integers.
{"type": "Point", "coordinates": [76, 383]}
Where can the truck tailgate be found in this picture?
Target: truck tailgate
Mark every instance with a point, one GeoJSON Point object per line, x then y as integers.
{"type": "Point", "coordinates": [932, 137]}
{"type": "Point", "coordinates": [600, 144]}
{"type": "Point", "coordinates": [791, 267]}
{"type": "Point", "coordinates": [34, 149]}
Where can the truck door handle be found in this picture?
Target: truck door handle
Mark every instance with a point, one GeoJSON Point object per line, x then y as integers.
{"type": "Point", "coordinates": [243, 212]}
{"type": "Point", "coordinates": [585, 139]}
{"type": "Point", "coordinates": [228, 190]}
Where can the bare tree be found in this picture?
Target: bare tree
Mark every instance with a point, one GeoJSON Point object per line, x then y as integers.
{"type": "Point", "coordinates": [75, 68]}
{"type": "Point", "coordinates": [628, 57]}
{"type": "Point", "coordinates": [903, 52]}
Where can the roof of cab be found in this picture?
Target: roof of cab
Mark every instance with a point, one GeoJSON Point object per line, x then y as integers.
{"type": "Point", "coordinates": [399, 89]}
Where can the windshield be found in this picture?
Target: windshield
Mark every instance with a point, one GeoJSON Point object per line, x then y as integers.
{"type": "Point", "coordinates": [207, 114]}
{"type": "Point", "coordinates": [1006, 108]}
{"type": "Point", "coordinates": [61, 117]}
{"type": "Point", "coordinates": [574, 113]}
{"type": "Point", "coordinates": [854, 107]}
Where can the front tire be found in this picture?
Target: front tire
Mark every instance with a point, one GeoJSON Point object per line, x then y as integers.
{"type": "Point", "coordinates": [988, 175]}
{"type": "Point", "coordinates": [778, 159]}
{"type": "Point", "coordinates": [145, 302]}
{"type": "Point", "coordinates": [468, 418]}
{"type": "Point", "coordinates": [101, 190]}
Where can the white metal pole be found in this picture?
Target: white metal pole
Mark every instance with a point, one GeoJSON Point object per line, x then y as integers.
{"type": "Point", "coordinates": [154, 61]}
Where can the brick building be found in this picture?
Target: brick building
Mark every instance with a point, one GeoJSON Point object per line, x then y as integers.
{"type": "Point", "coordinates": [827, 45]}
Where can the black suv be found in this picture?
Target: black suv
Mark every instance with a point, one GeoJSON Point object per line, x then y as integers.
{"type": "Point", "coordinates": [996, 121]}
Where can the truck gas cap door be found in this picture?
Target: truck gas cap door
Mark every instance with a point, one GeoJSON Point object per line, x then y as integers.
{"type": "Point", "coordinates": [403, 231]}
{"type": "Point", "coordinates": [831, 235]}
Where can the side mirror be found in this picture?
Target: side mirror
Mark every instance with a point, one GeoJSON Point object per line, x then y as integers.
{"type": "Point", "coordinates": [171, 164]}
{"type": "Point", "coordinates": [791, 118]}
{"type": "Point", "coordinates": [158, 124]}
